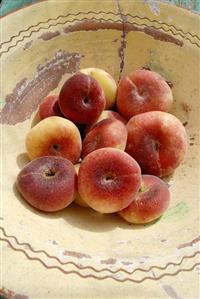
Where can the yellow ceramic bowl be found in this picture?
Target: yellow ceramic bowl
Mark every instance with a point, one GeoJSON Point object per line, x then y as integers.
{"type": "Point", "coordinates": [61, 255]}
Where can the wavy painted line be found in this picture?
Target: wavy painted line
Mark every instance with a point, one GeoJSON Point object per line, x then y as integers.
{"type": "Point", "coordinates": [60, 23]}
{"type": "Point", "coordinates": [101, 277]}
{"type": "Point", "coordinates": [53, 19]}
{"type": "Point", "coordinates": [160, 28]}
{"type": "Point", "coordinates": [103, 269]}
{"type": "Point", "coordinates": [163, 23]}
{"type": "Point", "coordinates": [52, 25]}
{"type": "Point", "coordinates": [86, 19]}
{"type": "Point", "coordinates": [97, 13]}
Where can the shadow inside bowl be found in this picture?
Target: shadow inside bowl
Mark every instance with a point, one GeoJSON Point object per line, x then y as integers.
{"type": "Point", "coordinates": [22, 159]}
{"type": "Point", "coordinates": [90, 220]}
{"type": "Point", "coordinates": [36, 119]}
{"type": "Point", "coordinates": [85, 219]}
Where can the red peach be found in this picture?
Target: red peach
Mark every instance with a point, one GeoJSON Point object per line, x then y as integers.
{"type": "Point", "coordinates": [81, 99]}
{"type": "Point", "coordinates": [149, 203]}
{"type": "Point", "coordinates": [54, 136]}
{"type": "Point", "coordinates": [106, 133]}
{"type": "Point", "coordinates": [142, 91]}
{"type": "Point", "coordinates": [48, 183]}
{"type": "Point", "coordinates": [104, 115]}
{"type": "Point", "coordinates": [106, 82]}
{"type": "Point", "coordinates": [49, 107]}
{"type": "Point", "coordinates": [157, 141]}
{"type": "Point", "coordinates": [108, 180]}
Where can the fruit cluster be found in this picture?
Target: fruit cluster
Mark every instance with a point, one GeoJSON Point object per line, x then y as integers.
{"type": "Point", "coordinates": [109, 160]}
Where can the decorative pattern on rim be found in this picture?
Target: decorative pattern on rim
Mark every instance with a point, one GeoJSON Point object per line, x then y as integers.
{"type": "Point", "coordinates": [192, 38]}
{"type": "Point", "coordinates": [7, 238]}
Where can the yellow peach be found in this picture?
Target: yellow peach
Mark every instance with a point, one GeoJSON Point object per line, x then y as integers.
{"type": "Point", "coordinates": [54, 136]}
{"type": "Point", "coordinates": [106, 82]}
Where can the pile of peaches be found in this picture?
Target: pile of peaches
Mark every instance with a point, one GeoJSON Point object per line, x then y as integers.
{"type": "Point", "coordinates": [105, 146]}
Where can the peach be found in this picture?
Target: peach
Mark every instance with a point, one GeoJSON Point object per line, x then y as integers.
{"type": "Point", "coordinates": [49, 107]}
{"type": "Point", "coordinates": [143, 91]}
{"type": "Point", "coordinates": [106, 133]}
{"type": "Point", "coordinates": [78, 199]}
{"type": "Point", "coordinates": [54, 136]}
{"type": "Point", "coordinates": [149, 203]}
{"type": "Point", "coordinates": [106, 82]}
{"type": "Point", "coordinates": [48, 183]}
{"type": "Point", "coordinates": [81, 99]}
{"type": "Point", "coordinates": [104, 115]}
{"type": "Point", "coordinates": [157, 141]}
{"type": "Point", "coordinates": [108, 180]}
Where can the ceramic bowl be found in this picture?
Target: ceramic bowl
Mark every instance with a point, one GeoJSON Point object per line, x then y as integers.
{"type": "Point", "coordinates": [64, 252]}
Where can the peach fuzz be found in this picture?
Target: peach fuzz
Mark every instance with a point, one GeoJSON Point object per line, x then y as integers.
{"type": "Point", "coordinates": [150, 202]}
{"type": "Point", "coordinates": [157, 141]}
{"type": "Point", "coordinates": [142, 91]}
{"type": "Point", "coordinates": [78, 199]}
{"type": "Point", "coordinates": [81, 99]}
{"type": "Point", "coordinates": [54, 136]}
{"type": "Point", "coordinates": [48, 183]}
{"type": "Point", "coordinates": [106, 133]}
{"type": "Point", "coordinates": [49, 107]}
{"type": "Point", "coordinates": [106, 82]}
{"type": "Point", "coordinates": [108, 180]}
